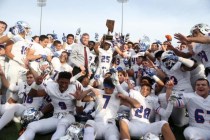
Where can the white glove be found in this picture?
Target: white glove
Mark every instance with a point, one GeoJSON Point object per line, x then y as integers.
{"type": "Point", "coordinates": [115, 78]}
{"type": "Point", "coordinates": [173, 97]}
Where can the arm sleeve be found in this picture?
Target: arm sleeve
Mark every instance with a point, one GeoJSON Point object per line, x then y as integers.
{"type": "Point", "coordinates": [73, 56]}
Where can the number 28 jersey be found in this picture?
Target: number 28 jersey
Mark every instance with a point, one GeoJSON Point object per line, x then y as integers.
{"type": "Point", "coordinates": [146, 109]}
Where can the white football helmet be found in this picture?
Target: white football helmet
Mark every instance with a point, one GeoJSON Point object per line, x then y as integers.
{"type": "Point", "coordinates": [45, 67]}
{"type": "Point", "coordinates": [204, 28]}
{"type": "Point", "coordinates": [75, 130]}
{"type": "Point", "coordinates": [29, 115]}
{"type": "Point", "coordinates": [167, 59]}
{"type": "Point", "coordinates": [144, 44]}
{"type": "Point", "coordinates": [150, 136]}
{"type": "Point", "coordinates": [25, 25]}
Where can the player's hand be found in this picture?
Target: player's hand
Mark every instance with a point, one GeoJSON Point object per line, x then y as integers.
{"type": "Point", "coordinates": [78, 94]}
{"type": "Point", "coordinates": [82, 68]}
{"type": "Point", "coordinates": [181, 38]}
{"type": "Point", "coordinates": [40, 79]}
{"type": "Point", "coordinates": [170, 84]}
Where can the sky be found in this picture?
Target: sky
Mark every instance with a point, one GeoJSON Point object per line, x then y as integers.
{"type": "Point", "coordinates": [154, 18]}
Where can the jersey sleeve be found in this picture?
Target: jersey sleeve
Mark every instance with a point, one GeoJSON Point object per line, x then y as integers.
{"type": "Point", "coordinates": [14, 87]}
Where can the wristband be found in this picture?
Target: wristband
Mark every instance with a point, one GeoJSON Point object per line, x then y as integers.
{"type": "Point", "coordinates": [155, 78]}
{"type": "Point", "coordinates": [10, 35]}
{"type": "Point", "coordinates": [78, 103]}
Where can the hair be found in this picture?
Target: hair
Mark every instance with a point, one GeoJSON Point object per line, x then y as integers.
{"type": "Point", "coordinates": [92, 42]}
{"type": "Point", "coordinates": [147, 78]}
{"type": "Point", "coordinates": [202, 79]}
{"type": "Point", "coordinates": [159, 53]}
{"type": "Point", "coordinates": [29, 73]}
{"type": "Point", "coordinates": [70, 35]}
{"type": "Point", "coordinates": [123, 73]}
{"type": "Point", "coordinates": [108, 81]}
{"type": "Point", "coordinates": [34, 37]}
{"type": "Point", "coordinates": [148, 85]}
{"type": "Point", "coordinates": [56, 42]}
{"type": "Point", "coordinates": [85, 34]}
{"type": "Point", "coordinates": [64, 75]}
{"type": "Point", "coordinates": [43, 37]}
{"type": "Point", "coordinates": [2, 22]}
{"type": "Point", "coordinates": [66, 52]}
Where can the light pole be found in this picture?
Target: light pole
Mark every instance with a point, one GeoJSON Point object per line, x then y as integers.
{"type": "Point", "coordinates": [41, 3]}
{"type": "Point", "coordinates": [122, 1]}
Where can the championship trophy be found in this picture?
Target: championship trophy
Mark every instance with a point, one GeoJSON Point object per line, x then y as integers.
{"type": "Point", "coordinates": [110, 26]}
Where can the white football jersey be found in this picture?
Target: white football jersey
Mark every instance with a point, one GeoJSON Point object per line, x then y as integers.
{"type": "Point", "coordinates": [122, 62]}
{"type": "Point", "coordinates": [19, 49]}
{"type": "Point", "coordinates": [22, 89]}
{"type": "Point", "coordinates": [181, 79]}
{"type": "Point", "coordinates": [198, 110]}
{"type": "Point", "coordinates": [92, 57]}
{"type": "Point", "coordinates": [106, 106]}
{"type": "Point", "coordinates": [105, 59]}
{"type": "Point", "coordinates": [68, 48]}
{"type": "Point", "coordinates": [62, 102]}
{"type": "Point", "coordinates": [203, 51]}
{"type": "Point", "coordinates": [147, 108]}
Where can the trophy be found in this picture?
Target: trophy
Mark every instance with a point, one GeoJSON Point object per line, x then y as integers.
{"type": "Point", "coordinates": [77, 34]}
{"type": "Point", "coordinates": [110, 26]}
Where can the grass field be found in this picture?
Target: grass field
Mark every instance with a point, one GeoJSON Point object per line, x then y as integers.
{"type": "Point", "coordinates": [10, 132]}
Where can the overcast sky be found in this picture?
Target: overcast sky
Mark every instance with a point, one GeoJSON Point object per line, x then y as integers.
{"type": "Point", "coordinates": [154, 18]}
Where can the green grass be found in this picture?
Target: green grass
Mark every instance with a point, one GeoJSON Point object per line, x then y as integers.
{"type": "Point", "coordinates": [10, 132]}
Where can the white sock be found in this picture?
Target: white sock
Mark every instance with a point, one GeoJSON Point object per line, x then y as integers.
{"type": "Point", "coordinates": [60, 131]}
{"type": "Point", "coordinates": [89, 134]}
{"type": "Point", "coordinates": [7, 117]}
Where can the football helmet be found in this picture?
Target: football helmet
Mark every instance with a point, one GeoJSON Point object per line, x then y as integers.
{"type": "Point", "coordinates": [204, 28]}
{"type": "Point", "coordinates": [150, 136]}
{"type": "Point", "coordinates": [168, 59]}
{"type": "Point", "coordinates": [24, 25]}
{"type": "Point", "coordinates": [29, 115]}
{"type": "Point", "coordinates": [45, 67]}
{"type": "Point", "coordinates": [75, 131]}
{"type": "Point", "coordinates": [144, 44]}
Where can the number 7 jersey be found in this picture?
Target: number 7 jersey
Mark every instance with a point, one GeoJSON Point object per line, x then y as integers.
{"type": "Point", "coordinates": [106, 106]}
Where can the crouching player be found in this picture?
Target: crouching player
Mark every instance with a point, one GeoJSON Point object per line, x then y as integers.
{"type": "Point", "coordinates": [139, 123]}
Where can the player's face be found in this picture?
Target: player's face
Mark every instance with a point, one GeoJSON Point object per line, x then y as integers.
{"type": "Point", "coordinates": [154, 47]}
{"type": "Point", "coordinates": [85, 82]}
{"type": "Point", "coordinates": [2, 28]}
{"type": "Point", "coordinates": [106, 46]}
{"type": "Point", "coordinates": [145, 90]}
{"type": "Point", "coordinates": [202, 88]}
{"type": "Point", "coordinates": [63, 84]}
{"type": "Point", "coordinates": [108, 90]}
{"type": "Point", "coordinates": [70, 40]}
{"type": "Point", "coordinates": [63, 57]}
{"type": "Point", "coordinates": [29, 79]}
{"type": "Point", "coordinates": [121, 77]}
{"type": "Point", "coordinates": [58, 47]}
{"type": "Point", "coordinates": [44, 43]}
{"type": "Point", "coordinates": [197, 33]}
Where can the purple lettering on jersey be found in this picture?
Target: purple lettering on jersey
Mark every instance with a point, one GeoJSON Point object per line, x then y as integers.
{"type": "Point", "coordinates": [198, 117]}
{"type": "Point", "coordinates": [62, 105]}
{"type": "Point", "coordinates": [105, 59]}
{"type": "Point", "coordinates": [146, 112]}
{"type": "Point", "coordinates": [203, 56]}
{"type": "Point", "coordinates": [107, 98]}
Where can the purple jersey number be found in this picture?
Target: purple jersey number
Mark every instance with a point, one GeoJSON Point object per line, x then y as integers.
{"type": "Point", "coordinates": [62, 105]}
{"type": "Point", "coordinates": [107, 98]}
{"type": "Point", "coordinates": [139, 111]}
